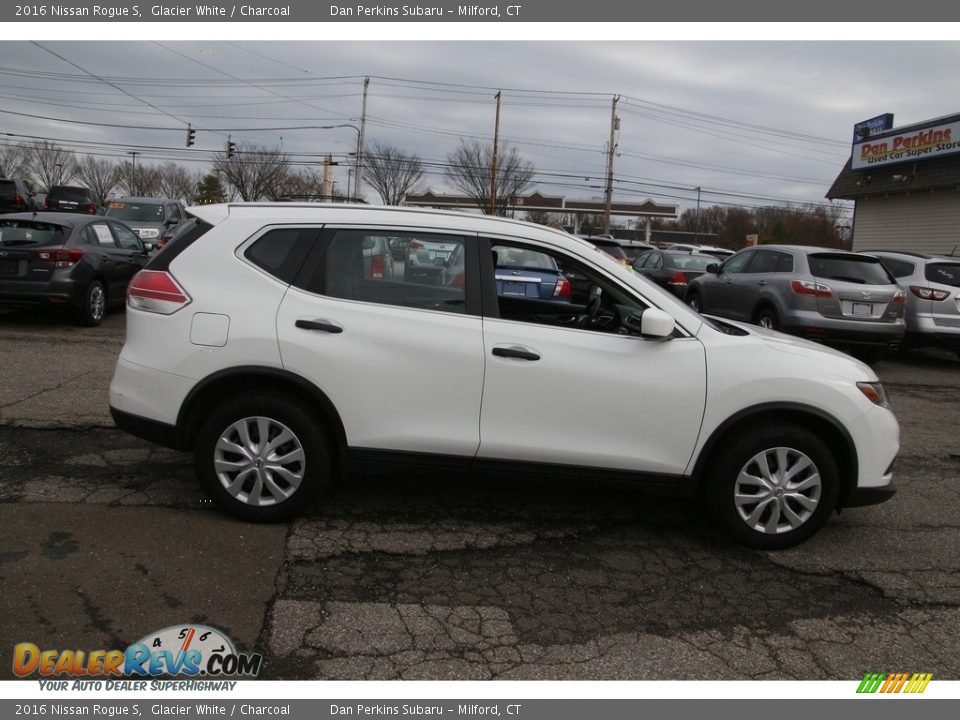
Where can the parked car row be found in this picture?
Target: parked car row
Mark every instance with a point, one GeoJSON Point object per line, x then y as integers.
{"type": "Point", "coordinates": [865, 303]}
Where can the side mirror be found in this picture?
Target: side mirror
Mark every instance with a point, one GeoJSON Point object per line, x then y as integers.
{"type": "Point", "coordinates": [368, 243]}
{"type": "Point", "coordinates": [713, 268]}
{"type": "Point", "coordinates": [148, 246]}
{"type": "Point", "coordinates": [650, 323]}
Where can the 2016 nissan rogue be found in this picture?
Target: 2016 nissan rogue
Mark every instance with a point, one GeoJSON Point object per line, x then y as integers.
{"type": "Point", "coordinates": [261, 340]}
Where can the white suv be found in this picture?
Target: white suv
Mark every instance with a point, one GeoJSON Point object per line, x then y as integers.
{"type": "Point", "coordinates": [261, 340]}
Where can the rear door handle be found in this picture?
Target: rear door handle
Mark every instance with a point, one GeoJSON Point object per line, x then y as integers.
{"type": "Point", "coordinates": [762, 282]}
{"type": "Point", "coordinates": [515, 352]}
{"type": "Point", "coordinates": [321, 325]}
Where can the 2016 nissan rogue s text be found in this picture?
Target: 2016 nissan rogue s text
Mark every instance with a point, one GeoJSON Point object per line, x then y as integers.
{"type": "Point", "coordinates": [261, 340]}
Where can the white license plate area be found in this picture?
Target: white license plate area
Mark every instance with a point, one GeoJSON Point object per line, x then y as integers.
{"type": "Point", "coordinates": [861, 309]}
{"type": "Point", "coordinates": [514, 288]}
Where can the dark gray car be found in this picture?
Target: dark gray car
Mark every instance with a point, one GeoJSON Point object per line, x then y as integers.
{"type": "Point", "coordinates": [154, 219]}
{"type": "Point", "coordinates": [838, 298]}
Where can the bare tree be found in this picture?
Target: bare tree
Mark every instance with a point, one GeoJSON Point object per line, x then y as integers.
{"type": "Point", "coordinates": [391, 172]}
{"type": "Point", "coordinates": [139, 179]}
{"type": "Point", "coordinates": [175, 181]}
{"type": "Point", "coordinates": [13, 161]}
{"type": "Point", "coordinates": [254, 172]}
{"type": "Point", "coordinates": [98, 175]}
{"type": "Point", "coordinates": [305, 182]}
{"type": "Point", "coordinates": [469, 169]}
{"type": "Point", "coordinates": [51, 164]}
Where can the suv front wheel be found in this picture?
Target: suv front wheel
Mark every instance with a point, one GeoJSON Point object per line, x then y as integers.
{"type": "Point", "coordinates": [262, 458]}
{"type": "Point", "coordinates": [774, 487]}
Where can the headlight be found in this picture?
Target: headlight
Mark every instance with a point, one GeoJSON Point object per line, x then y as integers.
{"type": "Point", "coordinates": [875, 393]}
{"type": "Point", "coordinates": [147, 233]}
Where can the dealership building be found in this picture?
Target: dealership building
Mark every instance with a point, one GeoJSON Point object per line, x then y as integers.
{"type": "Point", "coordinates": [905, 183]}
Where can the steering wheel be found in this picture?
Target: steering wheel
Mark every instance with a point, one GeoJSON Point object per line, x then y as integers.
{"type": "Point", "coordinates": [592, 310]}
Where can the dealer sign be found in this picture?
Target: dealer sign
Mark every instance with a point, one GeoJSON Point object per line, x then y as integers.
{"type": "Point", "coordinates": [908, 146]}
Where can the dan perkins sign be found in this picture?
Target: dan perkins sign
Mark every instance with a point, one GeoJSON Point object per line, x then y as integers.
{"type": "Point", "coordinates": [893, 147]}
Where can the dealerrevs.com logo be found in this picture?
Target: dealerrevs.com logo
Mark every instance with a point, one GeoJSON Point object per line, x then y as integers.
{"type": "Point", "coordinates": [887, 683]}
{"type": "Point", "coordinates": [190, 650]}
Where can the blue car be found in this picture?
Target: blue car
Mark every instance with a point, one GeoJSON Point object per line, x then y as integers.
{"type": "Point", "coordinates": [519, 273]}
{"type": "Point", "coordinates": [530, 274]}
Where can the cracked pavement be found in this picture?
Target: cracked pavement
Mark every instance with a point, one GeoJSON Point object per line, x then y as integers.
{"type": "Point", "coordinates": [405, 576]}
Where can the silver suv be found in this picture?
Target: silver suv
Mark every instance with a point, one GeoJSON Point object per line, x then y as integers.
{"type": "Point", "coordinates": [933, 300]}
{"type": "Point", "coordinates": [838, 298]}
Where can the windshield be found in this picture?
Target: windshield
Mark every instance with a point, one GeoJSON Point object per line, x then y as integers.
{"type": "Point", "coordinates": [140, 212]}
{"type": "Point", "coordinates": [862, 270]}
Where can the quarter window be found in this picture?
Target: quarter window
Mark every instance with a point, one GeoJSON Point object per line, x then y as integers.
{"type": "Point", "coordinates": [281, 252]}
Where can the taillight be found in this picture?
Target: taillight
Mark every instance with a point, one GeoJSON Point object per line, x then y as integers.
{"type": "Point", "coordinates": [157, 292]}
{"type": "Point", "coordinates": [46, 204]}
{"type": "Point", "coordinates": [926, 293]}
{"type": "Point", "coordinates": [678, 279]}
{"type": "Point", "coordinates": [377, 267]}
{"type": "Point", "coordinates": [90, 208]}
{"type": "Point", "coordinates": [414, 245]}
{"type": "Point", "coordinates": [17, 199]}
{"type": "Point", "coordinates": [457, 281]}
{"type": "Point", "coordinates": [562, 289]}
{"type": "Point", "coordinates": [60, 257]}
{"type": "Point", "coordinates": [806, 287]}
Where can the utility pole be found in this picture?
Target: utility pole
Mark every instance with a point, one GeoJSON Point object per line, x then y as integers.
{"type": "Point", "coordinates": [611, 148]}
{"type": "Point", "coordinates": [133, 172]}
{"type": "Point", "coordinates": [493, 160]}
{"type": "Point", "coordinates": [363, 127]}
{"type": "Point", "coordinates": [696, 235]}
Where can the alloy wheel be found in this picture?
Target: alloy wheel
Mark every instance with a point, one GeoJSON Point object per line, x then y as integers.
{"type": "Point", "coordinates": [777, 490]}
{"type": "Point", "coordinates": [259, 461]}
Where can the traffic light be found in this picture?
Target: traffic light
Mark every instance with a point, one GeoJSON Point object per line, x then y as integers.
{"type": "Point", "coordinates": [191, 134]}
{"type": "Point", "coordinates": [231, 148]}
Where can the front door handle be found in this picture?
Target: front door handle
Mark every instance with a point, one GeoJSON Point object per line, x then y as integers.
{"type": "Point", "coordinates": [762, 282]}
{"type": "Point", "coordinates": [515, 352]}
{"type": "Point", "coordinates": [321, 325]}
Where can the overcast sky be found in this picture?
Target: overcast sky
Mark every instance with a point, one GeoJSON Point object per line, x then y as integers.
{"type": "Point", "coordinates": [759, 122]}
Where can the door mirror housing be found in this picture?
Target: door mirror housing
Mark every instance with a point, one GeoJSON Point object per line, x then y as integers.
{"type": "Point", "coordinates": [713, 268]}
{"type": "Point", "coordinates": [652, 323]}
{"type": "Point", "coordinates": [148, 246]}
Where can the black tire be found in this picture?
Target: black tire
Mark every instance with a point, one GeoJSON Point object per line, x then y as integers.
{"type": "Point", "coordinates": [94, 304]}
{"type": "Point", "coordinates": [767, 317]}
{"type": "Point", "coordinates": [281, 414]}
{"type": "Point", "coordinates": [722, 485]}
{"type": "Point", "coordinates": [694, 301]}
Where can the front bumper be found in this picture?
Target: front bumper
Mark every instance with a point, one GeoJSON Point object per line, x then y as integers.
{"type": "Point", "coordinates": [862, 496]}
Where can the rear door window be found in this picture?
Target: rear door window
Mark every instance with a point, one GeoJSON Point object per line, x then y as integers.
{"type": "Point", "coordinates": [360, 265]}
{"type": "Point", "coordinates": [863, 270]}
{"type": "Point", "coordinates": [99, 234]}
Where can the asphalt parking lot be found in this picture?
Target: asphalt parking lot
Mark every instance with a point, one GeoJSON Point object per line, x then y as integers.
{"type": "Point", "coordinates": [105, 538]}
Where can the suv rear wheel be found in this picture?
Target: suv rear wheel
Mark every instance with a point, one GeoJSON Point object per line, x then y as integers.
{"type": "Point", "coordinates": [262, 458]}
{"type": "Point", "coordinates": [774, 487]}
{"type": "Point", "coordinates": [767, 318]}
